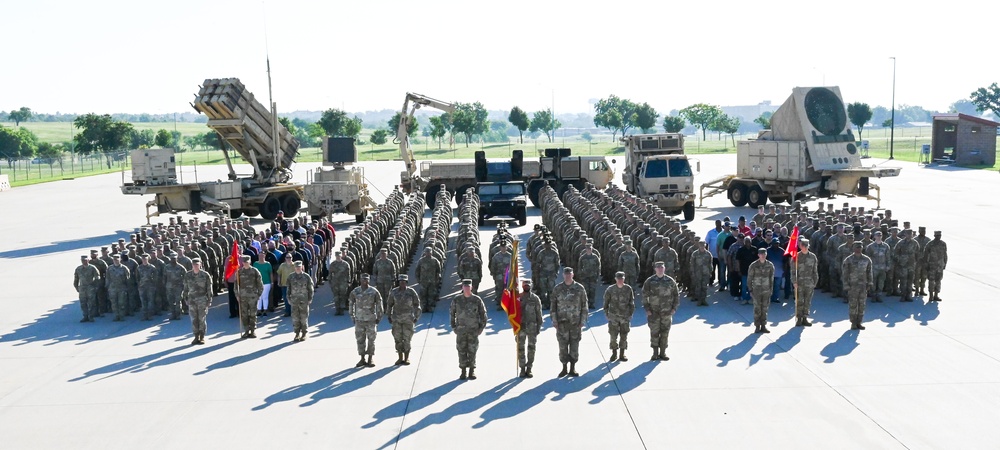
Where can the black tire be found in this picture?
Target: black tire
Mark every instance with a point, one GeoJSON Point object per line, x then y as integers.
{"type": "Point", "coordinates": [361, 217]}
{"type": "Point", "coordinates": [534, 188]}
{"type": "Point", "coordinates": [738, 195]}
{"type": "Point", "coordinates": [251, 212]}
{"type": "Point", "coordinates": [482, 221]}
{"type": "Point", "coordinates": [522, 218]}
{"type": "Point", "coordinates": [269, 209]}
{"type": "Point", "coordinates": [777, 200]}
{"type": "Point", "coordinates": [290, 204]}
{"type": "Point", "coordinates": [756, 197]}
{"type": "Point", "coordinates": [689, 211]}
{"type": "Point", "coordinates": [431, 196]}
{"type": "Point", "coordinates": [235, 213]}
{"type": "Point", "coordinates": [460, 193]}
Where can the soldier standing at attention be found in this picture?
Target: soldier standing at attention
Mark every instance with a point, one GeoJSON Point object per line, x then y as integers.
{"type": "Point", "coordinates": [428, 274]}
{"type": "Point", "coordinates": [805, 276]}
{"type": "Point", "coordinates": [250, 287]}
{"type": "Point", "coordinates": [173, 279]}
{"type": "Point", "coordinates": [117, 285]}
{"type": "Point", "coordinates": [470, 267]}
{"type": "Point", "coordinates": [301, 288]}
{"type": "Point", "coordinates": [86, 280]}
{"type": "Point", "coordinates": [701, 273]}
{"type": "Point", "coordinates": [531, 325]}
{"type": "Point", "coordinates": [589, 266]}
{"type": "Point", "coordinates": [365, 306]}
{"type": "Point", "coordinates": [881, 256]}
{"type": "Point", "coordinates": [628, 262]}
{"type": "Point", "coordinates": [468, 319]}
{"type": "Point", "coordinates": [569, 316]}
{"type": "Point", "coordinates": [498, 267]}
{"type": "Point", "coordinates": [857, 276]}
{"type": "Point", "coordinates": [340, 282]}
{"type": "Point", "coordinates": [403, 312]}
{"type": "Point", "coordinates": [936, 258]}
{"type": "Point", "coordinates": [904, 257]}
{"type": "Point", "coordinates": [660, 298]}
{"type": "Point", "coordinates": [197, 295]}
{"type": "Point", "coordinates": [760, 281]}
{"type": "Point", "coordinates": [384, 272]}
{"type": "Point", "coordinates": [147, 282]}
{"type": "Point", "coordinates": [619, 306]}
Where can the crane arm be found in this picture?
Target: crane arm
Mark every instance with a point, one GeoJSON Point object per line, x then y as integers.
{"type": "Point", "coordinates": [410, 105]}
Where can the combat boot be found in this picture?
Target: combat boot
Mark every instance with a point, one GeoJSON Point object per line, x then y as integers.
{"type": "Point", "coordinates": [854, 322]}
{"type": "Point", "coordinates": [937, 297]}
{"type": "Point", "coordinates": [621, 356]}
{"type": "Point", "coordinates": [763, 329]}
{"type": "Point", "coordinates": [806, 322]}
{"type": "Point", "coordinates": [663, 354]}
{"type": "Point", "coordinates": [614, 355]}
{"type": "Point", "coordinates": [406, 358]}
{"type": "Point", "coordinates": [361, 362]}
{"type": "Point", "coordinates": [798, 321]}
{"type": "Point", "coordinates": [564, 371]}
{"type": "Point", "coordinates": [195, 341]}
{"type": "Point", "coordinates": [572, 370]}
{"type": "Point", "coordinates": [756, 328]}
{"type": "Point", "coordinates": [524, 373]}
{"type": "Point", "coordinates": [472, 373]}
{"type": "Point", "coordinates": [527, 371]}
{"type": "Point", "coordinates": [399, 359]}
{"type": "Point", "coordinates": [303, 336]}
{"type": "Point", "coordinates": [296, 338]}
{"type": "Point", "coordinates": [463, 376]}
{"type": "Point", "coordinates": [371, 362]}
{"type": "Point", "coordinates": [253, 334]}
{"type": "Point", "coordinates": [656, 354]}
{"type": "Point", "coordinates": [861, 323]}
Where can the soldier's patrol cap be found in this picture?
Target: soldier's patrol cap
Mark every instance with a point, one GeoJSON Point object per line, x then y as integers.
{"type": "Point", "coordinates": [937, 233]}
{"type": "Point", "coordinates": [93, 252]}
{"type": "Point", "coordinates": [924, 229]}
{"type": "Point", "coordinates": [172, 255]}
{"type": "Point", "coordinates": [384, 250]}
{"type": "Point", "coordinates": [466, 282]}
{"type": "Point", "coordinates": [878, 233]}
{"type": "Point", "coordinates": [84, 257]}
{"type": "Point", "coordinates": [116, 256]}
{"type": "Point", "coordinates": [621, 274]}
{"type": "Point", "coordinates": [906, 224]}
{"type": "Point", "coordinates": [403, 277]}
{"type": "Point", "coordinates": [245, 258]}
{"type": "Point", "coordinates": [659, 264]}
{"type": "Point", "coordinates": [365, 276]}
{"type": "Point", "coordinates": [858, 245]}
{"type": "Point", "coordinates": [104, 248]}
{"type": "Point", "coordinates": [761, 251]}
{"type": "Point", "coordinates": [144, 256]}
{"type": "Point", "coordinates": [567, 270]}
{"type": "Point", "coordinates": [298, 263]}
{"type": "Point", "coordinates": [775, 240]}
{"type": "Point", "coordinates": [337, 253]}
{"type": "Point", "coordinates": [196, 260]}
{"type": "Point", "coordinates": [526, 282]}
{"type": "Point", "coordinates": [803, 242]}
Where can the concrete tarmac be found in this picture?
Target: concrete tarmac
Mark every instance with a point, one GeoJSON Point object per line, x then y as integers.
{"type": "Point", "coordinates": [922, 375]}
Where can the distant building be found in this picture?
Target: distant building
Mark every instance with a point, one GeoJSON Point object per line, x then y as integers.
{"type": "Point", "coordinates": [964, 140]}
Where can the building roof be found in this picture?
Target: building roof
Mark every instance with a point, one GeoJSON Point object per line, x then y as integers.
{"type": "Point", "coordinates": [955, 117]}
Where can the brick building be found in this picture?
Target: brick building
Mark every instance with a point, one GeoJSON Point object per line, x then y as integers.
{"type": "Point", "coordinates": [964, 140]}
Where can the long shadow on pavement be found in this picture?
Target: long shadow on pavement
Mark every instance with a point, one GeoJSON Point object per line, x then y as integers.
{"type": "Point", "coordinates": [463, 407]}
{"type": "Point", "coordinates": [303, 390]}
{"type": "Point", "coordinates": [784, 343]}
{"type": "Point", "coordinates": [63, 325]}
{"type": "Point", "coordinates": [738, 350]}
{"type": "Point", "coordinates": [841, 347]}
{"type": "Point", "coordinates": [412, 404]}
{"type": "Point", "coordinates": [65, 246]}
{"type": "Point", "coordinates": [146, 362]}
{"type": "Point", "coordinates": [625, 382]}
{"type": "Point", "coordinates": [231, 362]}
{"type": "Point", "coordinates": [533, 397]}
{"type": "Point", "coordinates": [335, 390]}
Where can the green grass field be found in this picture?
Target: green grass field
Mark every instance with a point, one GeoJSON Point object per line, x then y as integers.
{"type": "Point", "coordinates": [58, 132]}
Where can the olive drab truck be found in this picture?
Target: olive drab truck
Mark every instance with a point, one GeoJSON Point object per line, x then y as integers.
{"type": "Point", "coordinates": [810, 151]}
{"type": "Point", "coordinates": [657, 170]}
{"type": "Point", "coordinates": [252, 131]}
{"type": "Point", "coordinates": [338, 187]}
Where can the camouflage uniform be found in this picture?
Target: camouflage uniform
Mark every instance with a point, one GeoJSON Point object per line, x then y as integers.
{"type": "Point", "coordinates": [384, 273]}
{"type": "Point", "coordinates": [920, 271]}
{"type": "Point", "coordinates": [471, 267]}
{"type": "Point", "coordinates": [148, 281]}
{"type": "Point", "coordinates": [365, 305]}
{"type": "Point", "coordinates": [660, 298]}
{"type": "Point", "coordinates": [117, 283]}
{"type": "Point", "coordinates": [301, 288]}
{"type": "Point", "coordinates": [251, 285]}
{"type": "Point", "coordinates": [548, 266]}
{"type": "Point", "coordinates": [936, 259]}
{"type": "Point", "coordinates": [531, 325]}
{"type": "Point", "coordinates": [403, 311]}
{"type": "Point", "coordinates": [498, 267]}
{"type": "Point", "coordinates": [760, 280]}
{"type": "Point", "coordinates": [86, 279]}
{"type": "Point", "coordinates": [881, 256]}
{"type": "Point", "coordinates": [805, 275]}
{"type": "Point", "coordinates": [628, 262]}
{"type": "Point", "coordinates": [905, 259]}
{"type": "Point", "coordinates": [428, 274]}
{"type": "Point", "coordinates": [857, 270]}
{"type": "Point", "coordinates": [588, 269]}
{"type": "Point", "coordinates": [340, 283]}
{"type": "Point", "coordinates": [197, 294]}
{"type": "Point", "coordinates": [619, 306]}
{"type": "Point", "coordinates": [468, 320]}
{"type": "Point", "coordinates": [569, 313]}
{"type": "Point", "coordinates": [701, 272]}
{"type": "Point", "coordinates": [173, 281]}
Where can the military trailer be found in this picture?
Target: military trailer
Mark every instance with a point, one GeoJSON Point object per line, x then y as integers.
{"type": "Point", "coordinates": [338, 187]}
{"type": "Point", "coordinates": [253, 132]}
{"type": "Point", "coordinates": [810, 151]}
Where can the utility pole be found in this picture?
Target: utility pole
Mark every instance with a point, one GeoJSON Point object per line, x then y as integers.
{"type": "Point", "coordinates": [892, 123]}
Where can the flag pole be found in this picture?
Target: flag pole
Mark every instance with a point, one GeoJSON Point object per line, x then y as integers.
{"type": "Point", "coordinates": [238, 308]}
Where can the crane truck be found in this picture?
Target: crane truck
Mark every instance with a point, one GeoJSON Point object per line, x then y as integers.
{"type": "Point", "coordinates": [809, 151]}
{"type": "Point", "coordinates": [657, 169]}
{"type": "Point", "coordinates": [556, 167]}
{"type": "Point", "coordinates": [254, 133]}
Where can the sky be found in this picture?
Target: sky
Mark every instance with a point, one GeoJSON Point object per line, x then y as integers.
{"type": "Point", "coordinates": [109, 56]}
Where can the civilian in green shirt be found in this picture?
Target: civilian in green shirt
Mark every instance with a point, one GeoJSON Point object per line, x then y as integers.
{"type": "Point", "coordinates": [265, 270]}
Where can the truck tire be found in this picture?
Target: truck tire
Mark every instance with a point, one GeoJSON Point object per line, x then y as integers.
{"type": "Point", "coordinates": [535, 188]}
{"type": "Point", "coordinates": [431, 196]}
{"type": "Point", "coordinates": [777, 199]}
{"type": "Point", "coordinates": [290, 204]}
{"type": "Point", "coordinates": [361, 217]}
{"type": "Point", "coordinates": [235, 213]}
{"type": "Point", "coordinates": [738, 195]}
{"type": "Point", "coordinates": [460, 193]}
{"type": "Point", "coordinates": [269, 209]}
{"type": "Point", "coordinates": [756, 197]}
{"type": "Point", "coordinates": [689, 211]}
{"type": "Point", "coordinates": [522, 218]}
{"type": "Point", "coordinates": [251, 212]}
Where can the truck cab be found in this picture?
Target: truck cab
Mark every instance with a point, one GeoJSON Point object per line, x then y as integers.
{"type": "Point", "coordinates": [504, 198]}
{"type": "Point", "coordinates": [657, 170]}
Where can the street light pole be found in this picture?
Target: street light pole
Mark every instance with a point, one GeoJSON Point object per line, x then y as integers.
{"type": "Point", "coordinates": [892, 124]}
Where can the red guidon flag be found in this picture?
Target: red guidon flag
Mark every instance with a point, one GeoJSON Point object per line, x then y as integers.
{"type": "Point", "coordinates": [509, 300]}
{"type": "Point", "coordinates": [233, 262]}
{"type": "Point", "coordinates": [793, 244]}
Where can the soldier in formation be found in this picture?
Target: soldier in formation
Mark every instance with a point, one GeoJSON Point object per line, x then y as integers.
{"type": "Point", "coordinates": [301, 288]}
{"type": "Point", "coordinates": [365, 306]}
{"type": "Point", "coordinates": [660, 298]}
{"type": "Point", "coordinates": [569, 316]}
{"type": "Point", "coordinates": [468, 320]}
{"type": "Point", "coordinates": [935, 259]}
{"type": "Point", "coordinates": [86, 279]}
{"type": "Point", "coordinates": [805, 273]}
{"type": "Point", "coordinates": [249, 288]}
{"type": "Point", "coordinates": [760, 282]}
{"type": "Point", "coordinates": [857, 272]}
{"type": "Point", "coordinates": [197, 294]}
{"type": "Point", "coordinates": [619, 307]}
{"type": "Point", "coordinates": [531, 325]}
{"type": "Point", "coordinates": [403, 311]}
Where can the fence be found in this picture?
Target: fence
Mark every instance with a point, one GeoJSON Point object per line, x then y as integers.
{"type": "Point", "coordinates": [37, 170]}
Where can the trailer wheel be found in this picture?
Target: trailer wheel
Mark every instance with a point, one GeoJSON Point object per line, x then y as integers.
{"type": "Point", "coordinates": [738, 195]}
{"type": "Point", "coordinates": [290, 204]}
{"type": "Point", "coordinates": [270, 208]}
{"type": "Point", "coordinates": [756, 197]}
{"type": "Point", "coordinates": [689, 211]}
